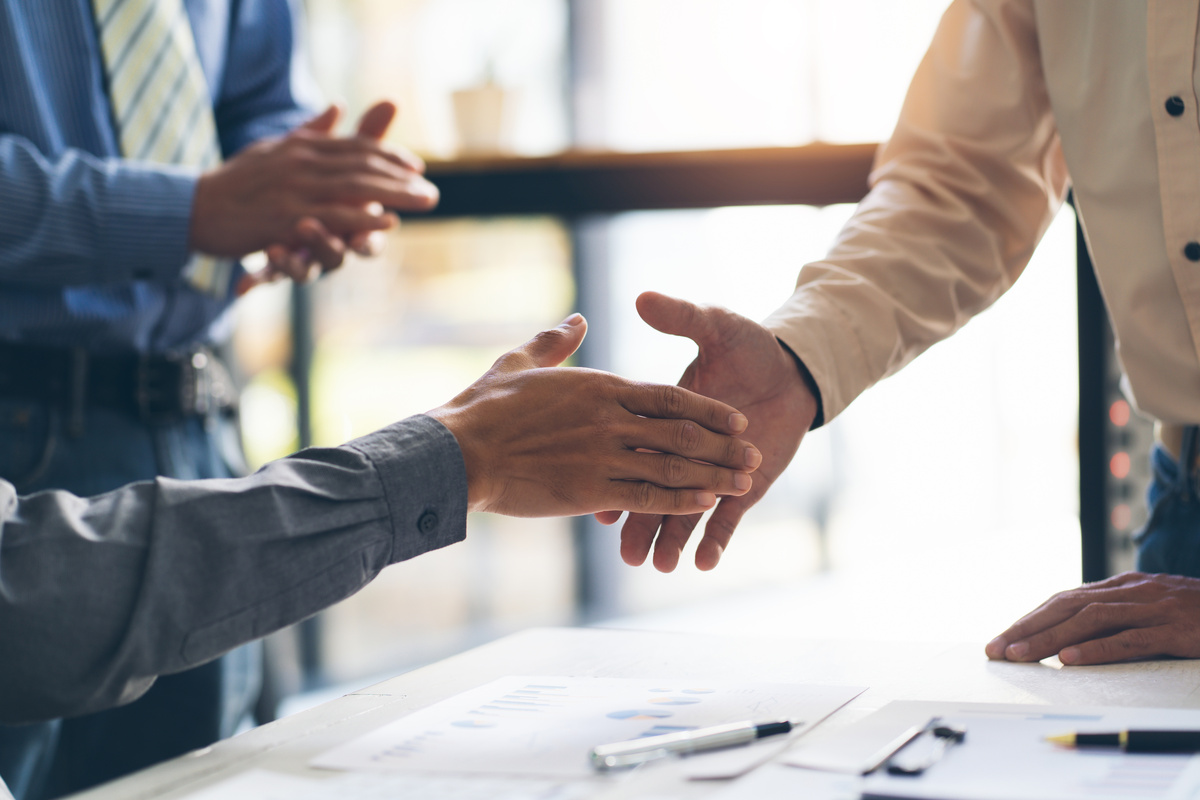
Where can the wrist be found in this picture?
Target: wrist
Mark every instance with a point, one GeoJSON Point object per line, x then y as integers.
{"type": "Point", "coordinates": [457, 421]}
{"type": "Point", "coordinates": [143, 227]}
{"type": "Point", "coordinates": [202, 203]}
{"type": "Point", "coordinates": [816, 407]}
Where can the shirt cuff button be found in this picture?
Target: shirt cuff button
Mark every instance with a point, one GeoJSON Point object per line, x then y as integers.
{"type": "Point", "coordinates": [428, 522]}
{"type": "Point", "coordinates": [1174, 105]}
{"type": "Point", "coordinates": [1192, 251]}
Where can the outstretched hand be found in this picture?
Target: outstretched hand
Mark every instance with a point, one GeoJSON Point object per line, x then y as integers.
{"type": "Point", "coordinates": [740, 363]}
{"type": "Point", "coordinates": [1123, 618]}
{"type": "Point", "coordinates": [543, 440]}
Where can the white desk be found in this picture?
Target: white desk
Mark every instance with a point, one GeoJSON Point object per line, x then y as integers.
{"type": "Point", "coordinates": [892, 670]}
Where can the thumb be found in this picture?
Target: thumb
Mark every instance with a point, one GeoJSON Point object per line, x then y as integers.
{"type": "Point", "coordinates": [376, 120]}
{"type": "Point", "coordinates": [551, 348]}
{"type": "Point", "coordinates": [674, 316]}
{"type": "Point", "coordinates": [325, 121]}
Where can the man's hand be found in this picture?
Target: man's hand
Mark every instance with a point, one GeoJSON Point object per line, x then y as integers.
{"type": "Point", "coordinates": [741, 363]}
{"type": "Point", "coordinates": [543, 440]}
{"type": "Point", "coordinates": [1128, 616]}
{"type": "Point", "coordinates": [306, 189]}
{"type": "Point", "coordinates": [320, 250]}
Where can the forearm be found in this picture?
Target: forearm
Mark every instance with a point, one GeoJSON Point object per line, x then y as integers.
{"type": "Point", "coordinates": [960, 196]}
{"type": "Point", "coordinates": [101, 595]}
{"type": "Point", "coordinates": [79, 219]}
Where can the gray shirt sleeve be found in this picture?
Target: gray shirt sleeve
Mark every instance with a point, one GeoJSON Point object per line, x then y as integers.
{"type": "Point", "coordinates": [99, 596]}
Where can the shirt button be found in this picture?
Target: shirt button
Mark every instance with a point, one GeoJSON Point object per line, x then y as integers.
{"type": "Point", "coordinates": [1175, 106]}
{"type": "Point", "coordinates": [1192, 251]}
{"type": "Point", "coordinates": [429, 520]}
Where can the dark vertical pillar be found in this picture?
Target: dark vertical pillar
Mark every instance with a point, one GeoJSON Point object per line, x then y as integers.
{"type": "Point", "coordinates": [308, 633]}
{"type": "Point", "coordinates": [598, 566]}
{"type": "Point", "coordinates": [597, 559]}
{"type": "Point", "coordinates": [1095, 347]}
{"type": "Point", "coordinates": [300, 369]}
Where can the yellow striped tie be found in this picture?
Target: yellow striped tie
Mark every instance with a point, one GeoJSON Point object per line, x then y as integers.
{"type": "Point", "coordinates": [160, 99]}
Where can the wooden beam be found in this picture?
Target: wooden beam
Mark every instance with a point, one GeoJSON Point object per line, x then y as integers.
{"type": "Point", "coordinates": [579, 182]}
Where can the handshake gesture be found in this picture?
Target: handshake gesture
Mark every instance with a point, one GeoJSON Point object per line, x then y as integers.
{"type": "Point", "coordinates": [308, 197]}
{"type": "Point", "coordinates": [542, 440]}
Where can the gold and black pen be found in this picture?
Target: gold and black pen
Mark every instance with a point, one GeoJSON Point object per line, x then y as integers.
{"type": "Point", "coordinates": [1134, 741]}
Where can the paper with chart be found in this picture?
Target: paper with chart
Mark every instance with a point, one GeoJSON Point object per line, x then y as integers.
{"type": "Point", "coordinates": [1005, 755]}
{"type": "Point", "coordinates": [546, 726]}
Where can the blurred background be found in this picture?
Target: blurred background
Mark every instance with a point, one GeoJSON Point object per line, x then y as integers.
{"type": "Point", "coordinates": [942, 505]}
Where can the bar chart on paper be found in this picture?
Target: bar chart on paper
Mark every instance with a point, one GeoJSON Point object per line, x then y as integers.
{"type": "Point", "coordinates": [545, 726]}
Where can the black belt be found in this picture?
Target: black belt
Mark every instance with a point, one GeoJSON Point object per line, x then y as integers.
{"type": "Point", "coordinates": [157, 389]}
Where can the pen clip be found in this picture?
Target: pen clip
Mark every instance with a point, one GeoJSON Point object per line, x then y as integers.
{"type": "Point", "coordinates": [910, 759]}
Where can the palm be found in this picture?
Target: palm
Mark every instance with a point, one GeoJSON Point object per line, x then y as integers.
{"type": "Point", "coordinates": [739, 363]}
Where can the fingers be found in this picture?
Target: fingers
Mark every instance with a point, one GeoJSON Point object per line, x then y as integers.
{"type": "Point", "coordinates": [674, 316]}
{"type": "Point", "coordinates": [550, 347]}
{"type": "Point", "coordinates": [692, 440]}
{"type": "Point", "coordinates": [672, 538]}
{"type": "Point", "coordinates": [1127, 645]}
{"type": "Point", "coordinates": [344, 220]}
{"type": "Point", "coordinates": [637, 536]}
{"type": "Point", "coordinates": [374, 124]}
{"type": "Point", "coordinates": [718, 532]}
{"type": "Point", "coordinates": [405, 192]}
{"type": "Point", "coordinates": [361, 147]}
{"type": "Point", "coordinates": [326, 249]}
{"type": "Point", "coordinates": [647, 498]}
{"type": "Point", "coordinates": [1093, 621]}
{"type": "Point", "coordinates": [1064, 605]}
{"type": "Point", "coordinates": [666, 469]}
{"type": "Point", "coordinates": [324, 122]}
{"type": "Point", "coordinates": [672, 402]}
{"type": "Point", "coordinates": [368, 243]}
{"type": "Point", "coordinates": [720, 527]}
{"type": "Point", "coordinates": [376, 120]}
{"type": "Point", "coordinates": [607, 517]}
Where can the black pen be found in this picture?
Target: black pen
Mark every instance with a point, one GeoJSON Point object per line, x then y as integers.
{"type": "Point", "coordinates": [1134, 741]}
{"type": "Point", "coordinates": [648, 748]}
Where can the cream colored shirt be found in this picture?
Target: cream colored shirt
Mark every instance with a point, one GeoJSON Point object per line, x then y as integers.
{"type": "Point", "coordinates": [1014, 101]}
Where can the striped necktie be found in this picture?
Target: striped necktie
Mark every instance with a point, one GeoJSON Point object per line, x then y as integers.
{"type": "Point", "coordinates": [160, 100]}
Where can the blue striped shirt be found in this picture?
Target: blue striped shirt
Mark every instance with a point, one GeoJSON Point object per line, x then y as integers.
{"type": "Point", "coordinates": [92, 246]}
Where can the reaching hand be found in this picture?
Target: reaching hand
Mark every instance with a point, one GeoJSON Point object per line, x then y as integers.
{"type": "Point", "coordinates": [308, 189]}
{"type": "Point", "coordinates": [740, 363]}
{"type": "Point", "coordinates": [1128, 616]}
{"type": "Point", "coordinates": [544, 440]}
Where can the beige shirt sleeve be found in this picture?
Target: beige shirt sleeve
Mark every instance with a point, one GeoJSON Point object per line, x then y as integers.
{"type": "Point", "coordinates": [959, 198]}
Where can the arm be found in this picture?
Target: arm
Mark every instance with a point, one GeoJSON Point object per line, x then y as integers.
{"type": "Point", "coordinates": [79, 219]}
{"type": "Point", "coordinates": [959, 198]}
{"type": "Point", "coordinates": [99, 596]}
{"type": "Point", "coordinates": [105, 594]}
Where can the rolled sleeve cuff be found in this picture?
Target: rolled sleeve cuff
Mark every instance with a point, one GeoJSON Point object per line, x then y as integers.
{"type": "Point", "coordinates": [822, 337]}
{"type": "Point", "coordinates": [146, 221]}
{"type": "Point", "coordinates": [424, 482]}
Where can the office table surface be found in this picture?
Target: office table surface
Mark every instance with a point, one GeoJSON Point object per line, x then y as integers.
{"type": "Point", "coordinates": [893, 671]}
